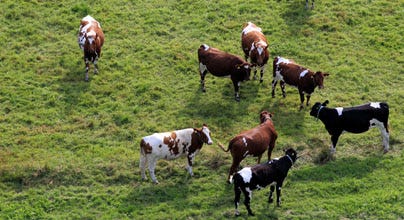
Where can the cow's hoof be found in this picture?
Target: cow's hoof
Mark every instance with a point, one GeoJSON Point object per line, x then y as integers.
{"type": "Point", "coordinates": [270, 200]}
{"type": "Point", "coordinates": [385, 151]}
{"type": "Point", "coordinates": [251, 214]}
{"type": "Point", "coordinates": [237, 213]}
{"type": "Point", "coordinates": [237, 99]}
{"type": "Point", "coordinates": [261, 80]}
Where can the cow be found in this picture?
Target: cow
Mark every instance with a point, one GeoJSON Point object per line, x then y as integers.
{"type": "Point", "coordinates": [223, 64]}
{"type": "Point", "coordinates": [90, 39]}
{"type": "Point", "coordinates": [255, 46]}
{"type": "Point", "coordinates": [171, 145]}
{"type": "Point", "coordinates": [287, 71]}
{"type": "Point", "coordinates": [357, 119]}
{"type": "Point", "coordinates": [312, 4]}
{"type": "Point", "coordinates": [253, 142]}
{"type": "Point", "coordinates": [272, 173]}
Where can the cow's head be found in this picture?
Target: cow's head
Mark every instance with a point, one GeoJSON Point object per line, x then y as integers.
{"type": "Point", "coordinates": [260, 52]}
{"type": "Point", "coordinates": [318, 79]}
{"type": "Point", "coordinates": [264, 115]}
{"type": "Point", "coordinates": [292, 154]}
{"type": "Point", "coordinates": [245, 70]}
{"type": "Point", "coordinates": [204, 134]}
{"type": "Point", "coordinates": [315, 110]}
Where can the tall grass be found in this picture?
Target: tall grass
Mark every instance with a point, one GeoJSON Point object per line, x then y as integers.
{"type": "Point", "coordinates": [69, 148]}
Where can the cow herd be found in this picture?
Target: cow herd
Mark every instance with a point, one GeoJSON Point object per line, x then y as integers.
{"type": "Point", "coordinates": [254, 142]}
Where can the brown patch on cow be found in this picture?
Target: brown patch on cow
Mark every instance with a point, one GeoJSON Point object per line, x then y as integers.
{"type": "Point", "coordinates": [172, 143]}
{"type": "Point", "coordinates": [146, 147]}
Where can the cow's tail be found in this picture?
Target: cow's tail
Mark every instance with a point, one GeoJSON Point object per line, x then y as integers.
{"type": "Point", "coordinates": [222, 147]}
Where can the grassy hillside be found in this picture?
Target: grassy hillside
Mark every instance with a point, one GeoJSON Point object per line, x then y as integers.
{"type": "Point", "coordinates": [69, 149]}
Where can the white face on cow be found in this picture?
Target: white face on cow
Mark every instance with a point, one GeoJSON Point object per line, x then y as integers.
{"type": "Point", "coordinates": [206, 131]}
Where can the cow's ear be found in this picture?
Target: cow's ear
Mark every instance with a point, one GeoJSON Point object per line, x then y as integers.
{"type": "Point", "coordinates": [325, 103]}
{"type": "Point", "coordinates": [326, 74]}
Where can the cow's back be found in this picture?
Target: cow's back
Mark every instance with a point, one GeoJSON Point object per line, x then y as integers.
{"type": "Point", "coordinates": [218, 62]}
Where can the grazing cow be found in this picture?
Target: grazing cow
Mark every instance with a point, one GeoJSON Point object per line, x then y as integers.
{"type": "Point", "coordinates": [222, 64]}
{"type": "Point", "coordinates": [287, 71]}
{"type": "Point", "coordinates": [259, 176]}
{"type": "Point", "coordinates": [90, 39]}
{"type": "Point", "coordinates": [253, 142]}
{"type": "Point", "coordinates": [171, 145]}
{"type": "Point", "coordinates": [312, 4]}
{"type": "Point", "coordinates": [255, 46]}
{"type": "Point", "coordinates": [356, 119]}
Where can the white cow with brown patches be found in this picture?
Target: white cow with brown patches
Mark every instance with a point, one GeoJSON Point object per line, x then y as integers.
{"type": "Point", "coordinates": [171, 145]}
{"type": "Point", "coordinates": [90, 39]}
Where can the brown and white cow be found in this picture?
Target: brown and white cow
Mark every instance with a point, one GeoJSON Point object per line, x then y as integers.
{"type": "Point", "coordinates": [253, 142]}
{"type": "Point", "coordinates": [171, 145]}
{"type": "Point", "coordinates": [90, 39]}
{"type": "Point", "coordinates": [222, 64]}
{"type": "Point", "coordinates": [255, 46]}
{"type": "Point", "coordinates": [287, 71]}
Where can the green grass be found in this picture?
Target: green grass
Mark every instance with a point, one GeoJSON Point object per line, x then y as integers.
{"type": "Point", "coordinates": [69, 149]}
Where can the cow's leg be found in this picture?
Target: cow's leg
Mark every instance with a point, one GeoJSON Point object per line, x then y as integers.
{"type": "Point", "coordinates": [334, 140]}
{"type": "Point", "coordinates": [152, 167]}
{"type": "Point", "coordinates": [237, 193]}
{"type": "Point", "coordinates": [236, 90]}
{"type": "Point", "coordinates": [233, 169]}
{"type": "Point", "coordinates": [247, 198]}
{"type": "Point", "coordinates": [307, 4]}
{"type": "Point", "coordinates": [271, 191]}
{"type": "Point", "coordinates": [274, 82]}
{"type": "Point", "coordinates": [301, 99]}
{"type": "Point", "coordinates": [87, 62]}
{"type": "Point", "coordinates": [262, 74]}
{"type": "Point", "coordinates": [282, 84]}
{"type": "Point", "coordinates": [386, 137]}
{"type": "Point", "coordinates": [203, 71]}
{"type": "Point", "coordinates": [271, 147]}
{"type": "Point", "coordinates": [312, 4]}
{"type": "Point", "coordinates": [255, 72]}
{"type": "Point", "coordinates": [308, 99]}
{"type": "Point", "coordinates": [278, 193]}
{"type": "Point", "coordinates": [142, 166]}
{"type": "Point", "coordinates": [190, 161]}
{"type": "Point", "coordinates": [259, 159]}
{"type": "Point", "coordinates": [95, 65]}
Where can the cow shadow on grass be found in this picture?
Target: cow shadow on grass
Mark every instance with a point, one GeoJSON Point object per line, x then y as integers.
{"type": "Point", "coordinates": [72, 86]}
{"type": "Point", "coordinates": [350, 167]}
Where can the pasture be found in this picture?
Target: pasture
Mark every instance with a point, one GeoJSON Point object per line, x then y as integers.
{"type": "Point", "coordinates": [69, 149]}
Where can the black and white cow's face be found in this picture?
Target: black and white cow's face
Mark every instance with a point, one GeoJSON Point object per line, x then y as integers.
{"type": "Point", "coordinates": [317, 107]}
{"type": "Point", "coordinates": [291, 153]}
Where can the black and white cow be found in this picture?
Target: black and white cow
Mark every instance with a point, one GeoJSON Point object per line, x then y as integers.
{"type": "Point", "coordinates": [357, 119]}
{"type": "Point", "coordinates": [259, 176]}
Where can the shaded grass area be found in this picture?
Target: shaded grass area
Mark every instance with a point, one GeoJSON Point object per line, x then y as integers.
{"type": "Point", "coordinates": [66, 144]}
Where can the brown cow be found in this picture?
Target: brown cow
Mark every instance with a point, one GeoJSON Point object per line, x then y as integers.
{"type": "Point", "coordinates": [90, 39]}
{"type": "Point", "coordinates": [255, 46]}
{"type": "Point", "coordinates": [253, 142]}
{"type": "Point", "coordinates": [223, 64]}
{"type": "Point", "coordinates": [287, 71]}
